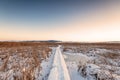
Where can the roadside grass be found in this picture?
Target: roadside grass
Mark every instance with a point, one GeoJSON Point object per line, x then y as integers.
{"type": "Point", "coordinates": [21, 61]}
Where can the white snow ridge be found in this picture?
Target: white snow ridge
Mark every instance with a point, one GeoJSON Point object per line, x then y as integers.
{"type": "Point", "coordinates": [59, 70]}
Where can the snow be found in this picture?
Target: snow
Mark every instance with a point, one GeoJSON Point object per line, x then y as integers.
{"type": "Point", "coordinates": [72, 62]}
{"type": "Point", "coordinates": [92, 68]}
{"type": "Point", "coordinates": [70, 65]}
{"type": "Point", "coordinates": [59, 70]}
{"type": "Point", "coordinates": [74, 74]}
{"type": "Point", "coordinates": [46, 66]}
{"type": "Point", "coordinates": [92, 65]}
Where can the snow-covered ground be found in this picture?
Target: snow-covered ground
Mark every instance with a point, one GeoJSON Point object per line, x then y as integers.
{"type": "Point", "coordinates": [95, 64]}
{"type": "Point", "coordinates": [26, 63]}
{"type": "Point", "coordinates": [46, 66]}
{"type": "Point", "coordinates": [59, 70]}
{"type": "Point", "coordinates": [72, 62]}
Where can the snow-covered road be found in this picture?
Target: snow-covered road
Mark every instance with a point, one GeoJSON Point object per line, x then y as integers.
{"type": "Point", "coordinates": [59, 70]}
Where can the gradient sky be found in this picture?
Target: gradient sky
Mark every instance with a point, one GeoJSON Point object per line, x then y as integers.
{"type": "Point", "coordinates": [95, 20]}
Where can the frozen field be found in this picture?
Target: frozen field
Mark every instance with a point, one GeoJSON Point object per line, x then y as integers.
{"type": "Point", "coordinates": [92, 64]}
{"type": "Point", "coordinates": [66, 62]}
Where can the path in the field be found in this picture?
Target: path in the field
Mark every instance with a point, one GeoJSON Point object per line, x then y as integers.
{"type": "Point", "coordinates": [59, 69]}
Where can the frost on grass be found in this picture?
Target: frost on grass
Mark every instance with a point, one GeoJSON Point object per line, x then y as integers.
{"type": "Point", "coordinates": [102, 67]}
{"type": "Point", "coordinates": [94, 63]}
{"type": "Point", "coordinates": [22, 63]}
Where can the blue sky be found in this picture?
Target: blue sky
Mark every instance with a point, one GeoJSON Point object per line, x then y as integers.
{"type": "Point", "coordinates": [61, 20]}
{"type": "Point", "coordinates": [33, 12]}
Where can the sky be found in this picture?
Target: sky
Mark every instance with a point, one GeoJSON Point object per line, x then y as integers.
{"type": "Point", "coordinates": [74, 20]}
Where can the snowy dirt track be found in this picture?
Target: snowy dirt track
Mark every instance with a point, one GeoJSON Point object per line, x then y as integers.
{"type": "Point", "coordinates": [59, 70]}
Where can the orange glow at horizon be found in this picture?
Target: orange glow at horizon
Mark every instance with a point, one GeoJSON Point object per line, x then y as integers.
{"type": "Point", "coordinates": [102, 25]}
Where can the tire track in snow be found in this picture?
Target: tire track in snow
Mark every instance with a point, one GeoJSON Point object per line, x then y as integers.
{"type": "Point", "coordinates": [59, 70]}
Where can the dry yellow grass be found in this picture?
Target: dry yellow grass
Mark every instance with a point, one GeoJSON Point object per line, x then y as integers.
{"type": "Point", "coordinates": [111, 55]}
{"type": "Point", "coordinates": [22, 57]}
{"type": "Point", "coordinates": [25, 57]}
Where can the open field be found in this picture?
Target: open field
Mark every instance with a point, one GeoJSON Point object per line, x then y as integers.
{"type": "Point", "coordinates": [93, 61]}
{"type": "Point", "coordinates": [22, 60]}
{"type": "Point", "coordinates": [33, 60]}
